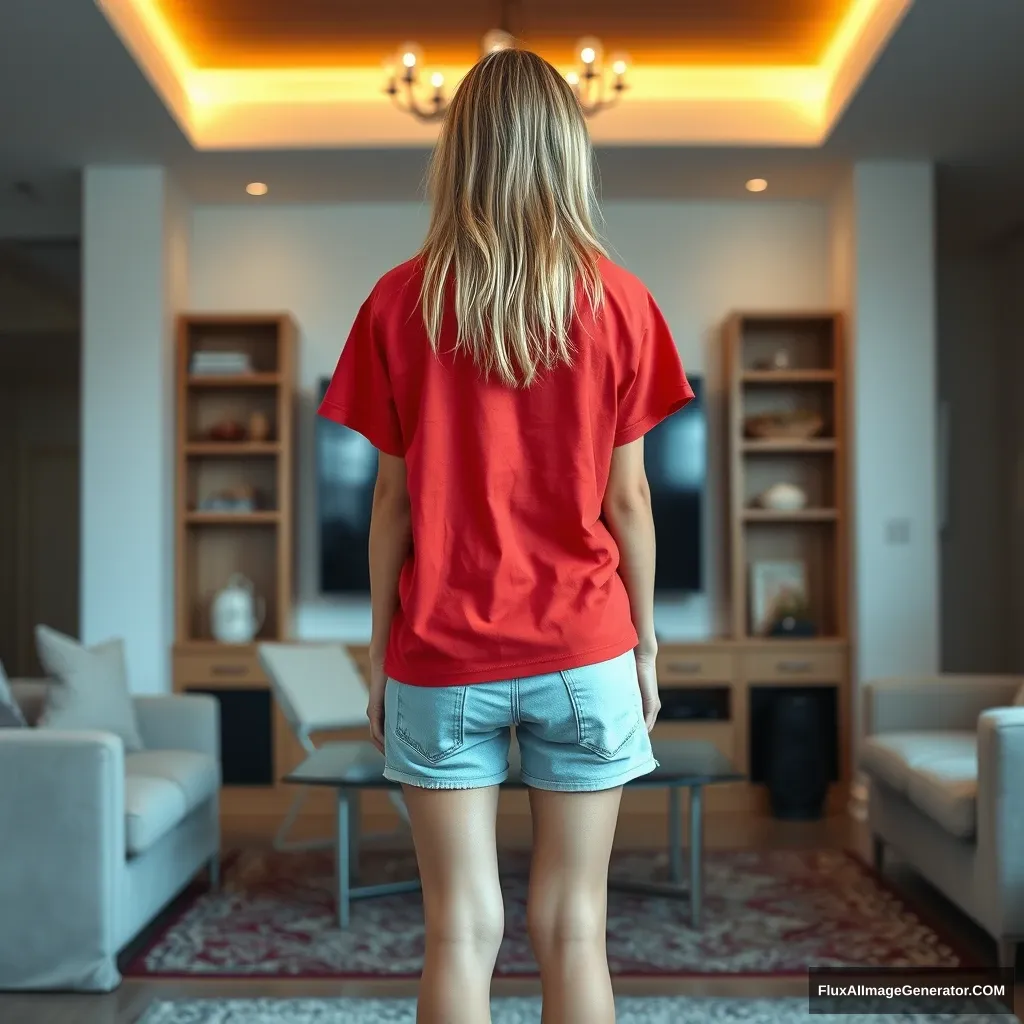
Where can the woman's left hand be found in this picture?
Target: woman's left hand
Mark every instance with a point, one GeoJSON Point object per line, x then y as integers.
{"type": "Point", "coordinates": [375, 704]}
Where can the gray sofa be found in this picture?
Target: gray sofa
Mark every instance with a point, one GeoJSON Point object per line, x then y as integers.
{"type": "Point", "coordinates": [945, 761]}
{"type": "Point", "coordinates": [94, 842]}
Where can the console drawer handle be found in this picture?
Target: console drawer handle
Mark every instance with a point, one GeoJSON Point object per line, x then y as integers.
{"type": "Point", "coordinates": [230, 670]}
{"type": "Point", "coordinates": [688, 667]}
{"type": "Point", "coordinates": [795, 666]}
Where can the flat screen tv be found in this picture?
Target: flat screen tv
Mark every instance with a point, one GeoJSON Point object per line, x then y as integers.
{"type": "Point", "coordinates": [676, 460]}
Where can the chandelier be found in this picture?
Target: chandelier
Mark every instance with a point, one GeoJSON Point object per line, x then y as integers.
{"type": "Point", "coordinates": [597, 84]}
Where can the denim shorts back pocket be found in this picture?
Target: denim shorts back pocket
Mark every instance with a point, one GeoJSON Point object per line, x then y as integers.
{"type": "Point", "coordinates": [430, 719]}
{"type": "Point", "coordinates": [606, 703]}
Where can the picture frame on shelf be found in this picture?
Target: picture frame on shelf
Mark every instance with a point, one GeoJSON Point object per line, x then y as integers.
{"type": "Point", "coordinates": [775, 585]}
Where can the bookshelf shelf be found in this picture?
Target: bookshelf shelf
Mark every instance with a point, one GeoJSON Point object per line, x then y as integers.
{"type": "Point", "coordinates": [232, 449]}
{"type": "Point", "coordinates": [783, 377]}
{"type": "Point", "coordinates": [262, 517]}
{"type": "Point", "coordinates": [787, 445]}
{"type": "Point", "coordinates": [803, 515]}
{"type": "Point", "coordinates": [238, 380]}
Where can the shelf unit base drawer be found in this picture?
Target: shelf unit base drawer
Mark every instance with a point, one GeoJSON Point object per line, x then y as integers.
{"type": "Point", "coordinates": [793, 665]}
{"type": "Point", "coordinates": [225, 667]}
{"type": "Point", "coordinates": [681, 668]}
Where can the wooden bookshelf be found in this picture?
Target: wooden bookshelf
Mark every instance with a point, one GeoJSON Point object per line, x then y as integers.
{"type": "Point", "coordinates": [812, 378]}
{"type": "Point", "coordinates": [214, 540]}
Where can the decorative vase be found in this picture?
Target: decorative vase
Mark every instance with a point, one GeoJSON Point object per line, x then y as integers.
{"type": "Point", "coordinates": [783, 497]}
{"type": "Point", "coordinates": [259, 427]}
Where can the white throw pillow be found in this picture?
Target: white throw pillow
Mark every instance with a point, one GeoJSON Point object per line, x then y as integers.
{"type": "Point", "coordinates": [10, 714]}
{"type": "Point", "coordinates": [92, 688]}
{"type": "Point", "coordinates": [1018, 701]}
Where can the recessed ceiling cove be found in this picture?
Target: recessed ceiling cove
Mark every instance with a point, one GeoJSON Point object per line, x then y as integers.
{"type": "Point", "coordinates": [308, 73]}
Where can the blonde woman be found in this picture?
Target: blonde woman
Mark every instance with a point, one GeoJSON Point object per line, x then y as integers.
{"type": "Point", "coordinates": [507, 375]}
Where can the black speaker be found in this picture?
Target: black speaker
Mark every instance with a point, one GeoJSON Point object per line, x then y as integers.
{"type": "Point", "coordinates": [246, 734]}
{"type": "Point", "coordinates": [798, 769]}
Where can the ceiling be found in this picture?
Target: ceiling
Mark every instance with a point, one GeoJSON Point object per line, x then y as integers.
{"type": "Point", "coordinates": [946, 88]}
{"type": "Point", "coordinates": [264, 75]}
{"type": "Point", "coordinates": [271, 34]}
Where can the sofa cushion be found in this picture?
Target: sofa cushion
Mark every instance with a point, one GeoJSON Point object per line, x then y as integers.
{"type": "Point", "coordinates": [93, 689]}
{"type": "Point", "coordinates": [947, 792]}
{"type": "Point", "coordinates": [152, 808]}
{"type": "Point", "coordinates": [936, 771]}
{"type": "Point", "coordinates": [161, 788]}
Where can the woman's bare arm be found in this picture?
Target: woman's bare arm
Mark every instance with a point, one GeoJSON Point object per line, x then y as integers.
{"type": "Point", "coordinates": [390, 537]}
{"type": "Point", "coordinates": [628, 515]}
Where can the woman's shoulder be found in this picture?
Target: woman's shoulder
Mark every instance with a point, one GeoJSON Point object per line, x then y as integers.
{"type": "Point", "coordinates": [624, 290]}
{"type": "Point", "coordinates": [401, 283]}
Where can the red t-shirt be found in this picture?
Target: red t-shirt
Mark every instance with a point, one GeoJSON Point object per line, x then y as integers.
{"type": "Point", "coordinates": [512, 572]}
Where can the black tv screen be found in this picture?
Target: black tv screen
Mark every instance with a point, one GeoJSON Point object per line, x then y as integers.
{"type": "Point", "coordinates": [675, 454]}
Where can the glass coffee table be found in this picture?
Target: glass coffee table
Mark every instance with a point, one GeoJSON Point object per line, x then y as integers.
{"type": "Point", "coordinates": [352, 767]}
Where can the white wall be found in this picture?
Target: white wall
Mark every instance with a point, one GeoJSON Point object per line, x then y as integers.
{"type": "Point", "coordinates": [700, 259]}
{"type": "Point", "coordinates": [134, 240]}
{"type": "Point", "coordinates": [894, 414]}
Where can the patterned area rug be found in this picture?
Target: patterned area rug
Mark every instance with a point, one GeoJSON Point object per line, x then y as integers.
{"type": "Point", "coordinates": [527, 1011]}
{"type": "Point", "coordinates": [765, 913]}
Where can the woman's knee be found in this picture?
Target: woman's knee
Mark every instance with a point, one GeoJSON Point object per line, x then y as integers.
{"type": "Point", "coordinates": [576, 916]}
{"type": "Point", "coordinates": [476, 921]}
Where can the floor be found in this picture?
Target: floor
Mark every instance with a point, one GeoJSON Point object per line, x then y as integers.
{"type": "Point", "coordinates": [127, 1004]}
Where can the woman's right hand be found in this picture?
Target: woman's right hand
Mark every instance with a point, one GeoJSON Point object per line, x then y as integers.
{"type": "Point", "coordinates": [647, 677]}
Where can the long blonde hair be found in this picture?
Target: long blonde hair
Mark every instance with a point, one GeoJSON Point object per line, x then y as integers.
{"type": "Point", "coordinates": [511, 184]}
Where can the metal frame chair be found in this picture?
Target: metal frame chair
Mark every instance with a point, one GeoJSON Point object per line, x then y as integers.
{"type": "Point", "coordinates": [318, 688]}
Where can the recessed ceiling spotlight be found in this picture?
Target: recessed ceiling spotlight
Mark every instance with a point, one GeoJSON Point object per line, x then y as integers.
{"type": "Point", "coordinates": [257, 188]}
{"type": "Point", "coordinates": [757, 185]}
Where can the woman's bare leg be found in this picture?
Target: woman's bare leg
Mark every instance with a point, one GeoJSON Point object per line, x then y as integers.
{"type": "Point", "coordinates": [568, 902]}
{"type": "Point", "coordinates": [453, 830]}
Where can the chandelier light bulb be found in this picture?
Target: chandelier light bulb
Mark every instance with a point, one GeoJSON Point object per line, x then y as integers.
{"type": "Point", "coordinates": [573, 79]}
{"type": "Point", "coordinates": [410, 55]}
{"type": "Point", "coordinates": [437, 79]}
{"type": "Point", "coordinates": [589, 50]}
{"type": "Point", "coordinates": [620, 63]}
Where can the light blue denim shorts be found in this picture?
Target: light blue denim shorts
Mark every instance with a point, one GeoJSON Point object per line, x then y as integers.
{"type": "Point", "coordinates": [579, 730]}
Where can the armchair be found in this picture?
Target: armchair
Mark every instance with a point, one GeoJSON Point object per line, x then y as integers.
{"type": "Point", "coordinates": [945, 762]}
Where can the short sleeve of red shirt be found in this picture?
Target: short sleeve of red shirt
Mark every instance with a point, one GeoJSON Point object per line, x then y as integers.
{"type": "Point", "coordinates": [657, 385]}
{"type": "Point", "coordinates": [359, 395]}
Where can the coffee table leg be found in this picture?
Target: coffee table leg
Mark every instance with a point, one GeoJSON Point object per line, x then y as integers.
{"type": "Point", "coordinates": [675, 835]}
{"type": "Point", "coordinates": [341, 855]}
{"type": "Point", "coordinates": [354, 835]}
{"type": "Point", "coordinates": [696, 852]}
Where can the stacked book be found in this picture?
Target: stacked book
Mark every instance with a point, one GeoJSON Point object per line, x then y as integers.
{"type": "Point", "coordinates": [219, 364]}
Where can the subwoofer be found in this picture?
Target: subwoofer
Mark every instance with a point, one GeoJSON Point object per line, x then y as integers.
{"type": "Point", "coordinates": [798, 770]}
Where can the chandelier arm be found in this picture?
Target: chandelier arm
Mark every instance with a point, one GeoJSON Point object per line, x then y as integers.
{"type": "Point", "coordinates": [409, 104]}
